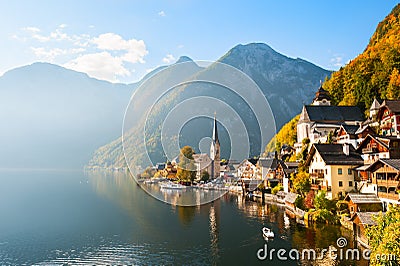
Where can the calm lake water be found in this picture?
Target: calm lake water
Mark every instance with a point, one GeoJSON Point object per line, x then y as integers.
{"type": "Point", "coordinates": [100, 218]}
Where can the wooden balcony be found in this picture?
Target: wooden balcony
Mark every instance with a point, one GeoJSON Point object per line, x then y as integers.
{"type": "Point", "coordinates": [370, 150]}
{"type": "Point", "coordinates": [320, 187]}
{"type": "Point", "coordinates": [391, 196]}
{"type": "Point", "coordinates": [317, 175]}
{"type": "Point", "coordinates": [388, 183]}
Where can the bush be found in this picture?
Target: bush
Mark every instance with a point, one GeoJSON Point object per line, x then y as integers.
{"type": "Point", "coordinates": [276, 189]}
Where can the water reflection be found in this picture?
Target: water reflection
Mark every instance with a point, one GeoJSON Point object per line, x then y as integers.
{"type": "Point", "coordinates": [118, 223]}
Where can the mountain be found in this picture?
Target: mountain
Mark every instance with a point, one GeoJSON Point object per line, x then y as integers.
{"type": "Point", "coordinates": [53, 117]}
{"type": "Point", "coordinates": [375, 72]}
{"type": "Point", "coordinates": [287, 83]}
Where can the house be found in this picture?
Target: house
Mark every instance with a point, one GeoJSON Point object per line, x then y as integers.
{"type": "Point", "coordinates": [170, 170]}
{"type": "Point", "coordinates": [389, 118]}
{"type": "Point", "coordinates": [361, 220]}
{"type": "Point", "coordinates": [248, 169]}
{"type": "Point", "coordinates": [320, 118]}
{"type": "Point", "coordinates": [386, 176]}
{"type": "Point", "coordinates": [362, 132]}
{"type": "Point", "coordinates": [373, 148]}
{"type": "Point", "coordinates": [331, 168]}
{"type": "Point", "coordinates": [347, 134]}
{"type": "Point", "coordinates": [363, 202]}
{"type": "Point", "coordinates": [283, 173]}
{"type": "Point", "coordinates": [203, 163]}
{"type": "Point", "coordinates": [267, 167]}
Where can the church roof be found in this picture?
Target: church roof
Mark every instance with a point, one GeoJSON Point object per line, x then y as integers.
{"type": "Point", "coordinates": [321, 94]}
{"type": "Point", "coordinates": [215, 132]}
{"type": "Point", "coordinates": [331, 113]}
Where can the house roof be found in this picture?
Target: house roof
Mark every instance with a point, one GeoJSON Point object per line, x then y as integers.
{"type": "Point", "coordinates": [292, 164]}
{"type": "Point", "coordinates": [380, 140]}
{"type": "Point", "coordinates": [375, 105]}
{"type": "Point", "coordinates": [392, 105]}
{"type": "Point", "coordinates": [333, 154]}
{"type": "Point", "coordinates": [291, 197]}
{"type": "Point", "coordinates": [363, 198]}
{"type": "Point", "coordinates": [350, 129]}
{"type": "Point", "coordinates": [394, 163]}
{"type": "Point", "coordinates": [366, 218]}
{"type": "Point", "coordinates": [253, 160]}
{"type": "Point", "coordinates": [332, 113]}
{"type": "Point", "coordinates": [268, 162]}
{"type": "Point", "coordinates": [362, 129]}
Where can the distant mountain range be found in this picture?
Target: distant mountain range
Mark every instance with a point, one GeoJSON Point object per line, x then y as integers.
{"type": "Point", "coordinates": [287, 84]}
{"type": "Point", "coordinates": [53, 117]}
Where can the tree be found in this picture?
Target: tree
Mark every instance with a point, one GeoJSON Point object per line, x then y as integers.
{"type": "Point", "coordinates": [205, 176]}
{"type": "Point", "coordinates": [301, 183]}
{"type": "Point", "coordinates": [186, 168]}
{"type": "Point", "coordinates": [384, 237]}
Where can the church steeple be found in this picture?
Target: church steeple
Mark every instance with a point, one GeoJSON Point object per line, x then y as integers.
{"type": "Point", "coordinates": [321, 97]}
{"type": "Point", "coordinates": [215, 151]}
{"type": "Point", "coordinates": [215, 131]}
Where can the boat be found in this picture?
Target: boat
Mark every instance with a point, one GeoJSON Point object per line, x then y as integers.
{"type": "Point", "coordinates": [171, 185]}
{"type": "Point", "coordinates": [267, 233]}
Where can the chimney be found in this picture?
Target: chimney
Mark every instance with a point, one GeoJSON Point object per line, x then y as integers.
{"type": "Point", "coordinates": [346, 149]}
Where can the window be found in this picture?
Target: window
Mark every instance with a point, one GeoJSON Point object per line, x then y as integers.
{"type": "Point", "coordinates": [350, 183]}
{"type": "Point", "coordinates": [339, 171]}
{"type": "Point", "coordinates": [340, 183]}
{"type": "Point", "coordinates": [326, 171]}
{"type": "Point", "coordinates": [349, 172]}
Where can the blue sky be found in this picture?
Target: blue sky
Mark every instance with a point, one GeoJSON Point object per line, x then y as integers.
{"type": "Point", "coordinates": [120, 41]}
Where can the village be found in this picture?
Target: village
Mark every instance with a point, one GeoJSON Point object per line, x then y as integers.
{"type": "Point", "coordinates": [353, 162]}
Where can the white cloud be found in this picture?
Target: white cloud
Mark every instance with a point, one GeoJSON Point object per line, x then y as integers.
{"type": "Point", "coordinates": [337, 61]}
{"type": "Point", "coordinates": [99, 65]}
{"type": "Point", "coordinates": [180, 46]}
{"type": "Point", "coordinates": [169, 58]}
{"type": "Point", "coordinates": [106, 56]}
{"type": "Point", "coordinates": [135, 50]}
{"type": "Point", "coordinates": [162, 13]}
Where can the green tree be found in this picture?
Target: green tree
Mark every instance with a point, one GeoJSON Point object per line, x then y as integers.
{"type": "Point", "coordinates": [186, 168]}
{"type": "Point", "coordinates": [301, 183]}
{"type": "Point", "coordinates": [205, 176]}
{"type": "Point", "coordinates": [384, 237]}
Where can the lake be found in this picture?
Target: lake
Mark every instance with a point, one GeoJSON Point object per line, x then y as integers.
{"type": "Point", "coordinates": [104, 218]}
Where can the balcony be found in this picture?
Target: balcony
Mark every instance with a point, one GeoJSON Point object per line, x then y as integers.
{"type": "Point", "coordinates": [317, 175]}
{"type": "Point", "coordinates": [390, 196]}
{"type": "Point", "coordinates": [386, 126]}
{"type": "Point", "coordinates": [387, 183]}
{"type": "Point", "coordinates": [370, 150]}
{"type": "Point", "coordinates": [320, 187]}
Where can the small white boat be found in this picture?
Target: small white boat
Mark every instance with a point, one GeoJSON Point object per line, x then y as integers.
{"type": "Point", "coordinates": [267, 233]}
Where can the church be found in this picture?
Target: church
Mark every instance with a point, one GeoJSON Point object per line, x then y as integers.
{"type": "Point", "coordinates": [320, 118]}
{"type": "Point", "coordinates": [210, 163]}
